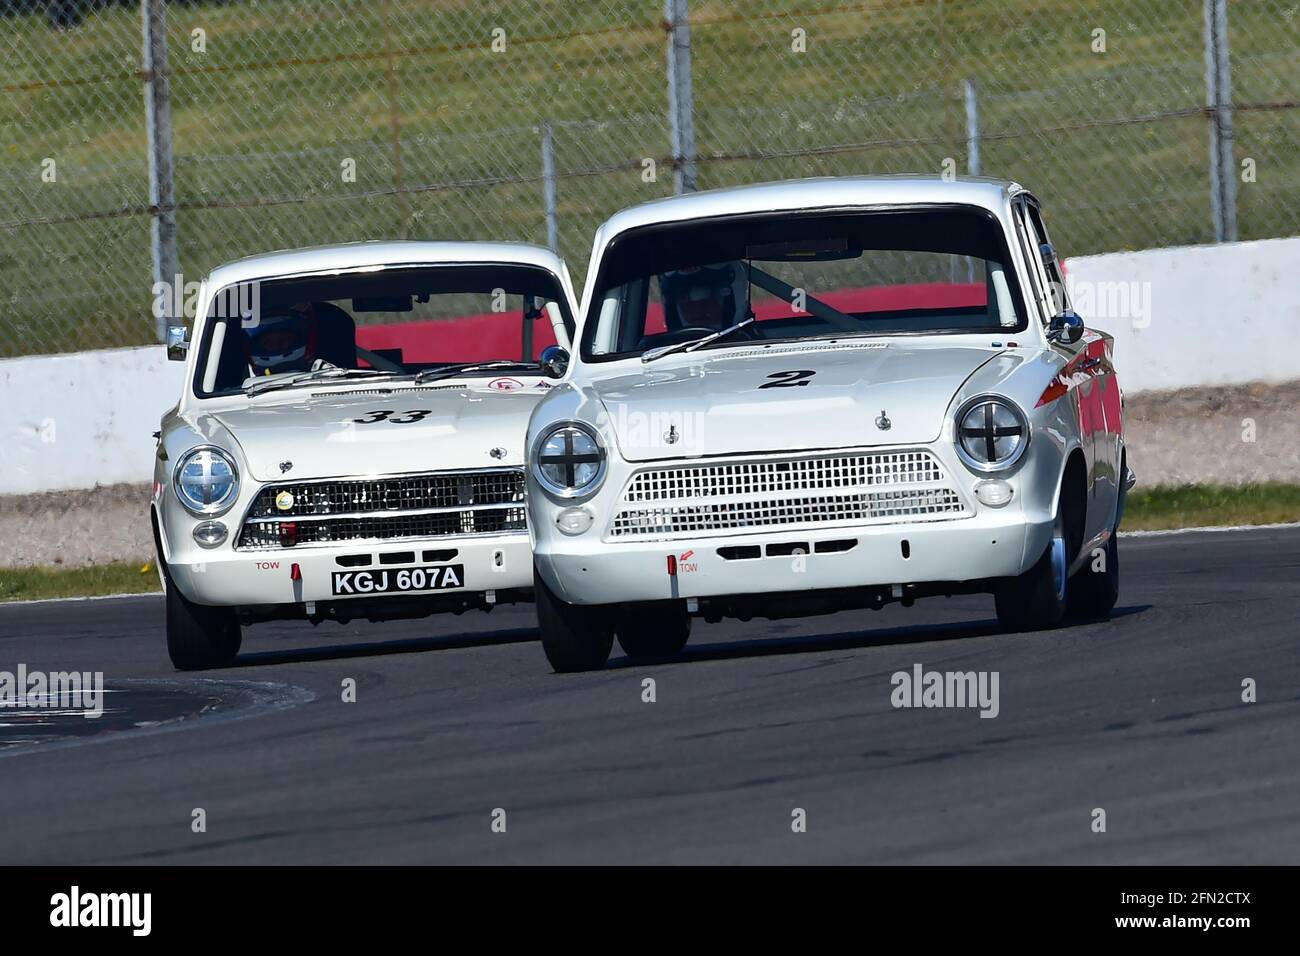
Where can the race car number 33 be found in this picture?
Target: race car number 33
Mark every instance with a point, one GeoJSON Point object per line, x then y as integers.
{"type": "Point", "coordinates": [440, 578]}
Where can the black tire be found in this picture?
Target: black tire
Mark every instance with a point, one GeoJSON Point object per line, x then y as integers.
{"type": "Point", "coordinates": [1036, 600]}
{"type": "Point", "coordinates": [661, 632]}
{"type": "Point", "coordinates": [200, 637]}
{"type": "Point", "coordinates": [575, 637]}
{"type": "Point", "coordinates": [1093, 593]}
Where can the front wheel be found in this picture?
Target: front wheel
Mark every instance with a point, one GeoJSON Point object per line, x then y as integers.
{"type": "Point", "coordinates": [1036, 600]}
{"type": "Point", "coordinates": [1095, 588]}
{"type": "Point", "coordinates": [200, 637]}
{"type": "Point", "coordinates": [661, 632]}
{"type": "Point", "coordinates": [575, 637]}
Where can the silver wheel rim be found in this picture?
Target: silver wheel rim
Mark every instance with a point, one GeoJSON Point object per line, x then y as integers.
{"type": "Point", "coordinates": [1058, 556]}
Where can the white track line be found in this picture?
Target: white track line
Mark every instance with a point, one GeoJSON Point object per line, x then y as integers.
{"type": "Point", "coordinates": [1216, 529]}
{"type": "Point", "coordinates": [93, 597]}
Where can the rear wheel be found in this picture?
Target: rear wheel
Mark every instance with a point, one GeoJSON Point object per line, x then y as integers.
{"type": "Point", "coordinates": [661, 632]}
{"type": "Point", "coordinates": [1037, 599]}
{"type": "Point", "coordinates": [575, 637]}
{"type": "Point", "coordinates": [200, 637]}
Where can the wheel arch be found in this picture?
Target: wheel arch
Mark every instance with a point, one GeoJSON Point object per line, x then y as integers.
{"type": "Point", "coordinates": [1072, 492]}
{"type": "Point", "coordinates": [159, 546]}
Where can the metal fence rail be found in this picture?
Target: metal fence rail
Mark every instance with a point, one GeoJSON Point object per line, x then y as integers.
{"type": "Point", "coordinates": [143, 137]}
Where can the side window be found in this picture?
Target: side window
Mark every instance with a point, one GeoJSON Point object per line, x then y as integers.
{"type": "Point", "coordinates": [1057, 296]}
{"type": "Point", "coordinates": [1034, 262]}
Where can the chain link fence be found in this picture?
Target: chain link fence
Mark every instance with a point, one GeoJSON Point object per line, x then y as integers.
{"type": "Point", "coordinates": [300, 122]}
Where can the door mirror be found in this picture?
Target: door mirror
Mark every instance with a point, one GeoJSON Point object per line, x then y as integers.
{"type": "Point", "coordinates": [178, 343]}
{"type": "Point", "coordinates": [1066, 328]}
{"type": "Point", "coordinates": [554, 361]}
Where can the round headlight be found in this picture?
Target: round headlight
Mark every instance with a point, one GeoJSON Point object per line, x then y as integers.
{"type": "Point", "coordinates": [991, 433]}
{"type": "Point", "coordinates": [206, 481]}
{"type": "Point", "coordinates": [569, 460]}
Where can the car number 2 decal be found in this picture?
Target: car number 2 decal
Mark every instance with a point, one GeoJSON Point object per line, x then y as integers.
{"type": "Point", "coordinates": [791, 378]}
{"type": "Point", "coordinates": [386, 415]}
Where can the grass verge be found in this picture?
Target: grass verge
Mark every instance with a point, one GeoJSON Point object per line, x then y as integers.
{"type": "Point", "coordinates": [1152, 509]}
{"type": "Point", "coordinates": [34, 584]}
{"type": "Point", "coordinates": [1197, 506]}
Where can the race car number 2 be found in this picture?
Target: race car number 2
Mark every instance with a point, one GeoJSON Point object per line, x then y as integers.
{"type": "Point", "coordinates": [790, 378]}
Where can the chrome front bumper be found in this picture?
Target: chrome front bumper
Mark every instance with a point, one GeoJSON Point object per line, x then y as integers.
{"type": "Point", "coordinates": [229, 578]}
{"type": "Point", "coordinates": [991, 544]}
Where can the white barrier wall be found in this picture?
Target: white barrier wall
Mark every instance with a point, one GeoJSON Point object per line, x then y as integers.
{"type": "Point", "coordinates": [76, 421]}
{"type": "Point", "coordinates": [1197, 315]}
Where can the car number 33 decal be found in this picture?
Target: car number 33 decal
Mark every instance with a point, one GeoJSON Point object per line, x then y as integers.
{"type": "Point", "coordinates": [791, 378]}
{"type": "Point", "coordinates": [386, 415]}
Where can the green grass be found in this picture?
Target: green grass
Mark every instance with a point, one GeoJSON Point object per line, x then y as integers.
{"type": "Point", "coordinates": [34, 584]}
{"type": "Point", "coordinates": [1154, 509]}
{"type": "Point", "coordinates": [1193, 506]}
{"type": "Point", "coordinates": [250, 126]}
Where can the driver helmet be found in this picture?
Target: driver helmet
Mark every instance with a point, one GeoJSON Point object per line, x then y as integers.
{"type": "Point", "coordinates": [283, 341]}
{"type": "Point", "coordinates": [713, 296]}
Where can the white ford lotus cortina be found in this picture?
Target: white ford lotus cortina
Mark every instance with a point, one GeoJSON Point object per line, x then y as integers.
{"type": "Point", "coordinates": [349, 442]}
{"type": "Point", "coordinates": [807, 397]}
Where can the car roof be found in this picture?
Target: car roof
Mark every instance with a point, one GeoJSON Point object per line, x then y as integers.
{"type": "Point", "coordinates": [359, 255]}
{"type": "Point", "coordinates": [824, 192]}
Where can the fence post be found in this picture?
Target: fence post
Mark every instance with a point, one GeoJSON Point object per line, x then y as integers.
{"type": "Point", "coordinates": [681, 94]}
{"type": "Point", "coordinates": [548, 187]}
{"type": "Point", "coordinates": [1218, 99]}
{"type": "Point", "coordinates": [972, 150]}
{"type": "Point", "coordinates": [972, 130]}
{"type": "Point", "coordinates": [158, 122]}
{"type": "Point", "coordinates": [394, 123]}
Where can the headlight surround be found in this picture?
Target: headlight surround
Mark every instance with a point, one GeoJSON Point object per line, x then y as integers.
{"type": "Point", "coordinates": [206, 481]}
{"type": "Point", "coordinates": [568, 460]}
{"type": "Point", "coordinates": [992, 434]}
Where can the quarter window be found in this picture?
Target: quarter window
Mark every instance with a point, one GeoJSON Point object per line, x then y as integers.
{"type": "Point", "coordinates": [1057, 295]}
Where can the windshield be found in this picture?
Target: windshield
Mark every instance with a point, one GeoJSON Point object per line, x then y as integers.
{"type": "Point", "coordinates": [802, 276]}
{"type": "Point", "coordinates": [391, 323]}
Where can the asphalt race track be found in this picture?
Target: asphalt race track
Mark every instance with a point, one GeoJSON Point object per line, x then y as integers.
{"type": "Point", "coordinates": [1141, 716]}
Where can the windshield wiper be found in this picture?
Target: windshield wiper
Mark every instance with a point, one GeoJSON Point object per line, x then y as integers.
{"type": "Point", "coordinates": [427, 375]}
{"type": "Point", "coordinates": [325, 372]}
{"type": "Point", "coordinates": [691, 346]}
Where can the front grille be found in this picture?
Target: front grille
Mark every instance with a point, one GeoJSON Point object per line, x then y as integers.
{"type": "Point", "coordinates": [385, 509]}
{"type": "Point", "coordinates": [773, 494]}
